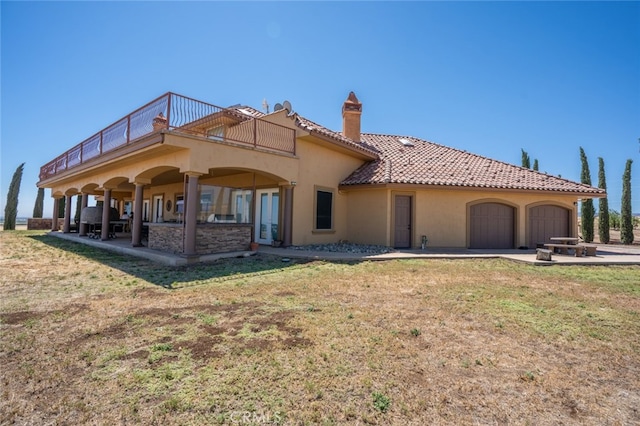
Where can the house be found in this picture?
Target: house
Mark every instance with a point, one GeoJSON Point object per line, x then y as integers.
{"type": "Point", "coordinates": [203, 179]}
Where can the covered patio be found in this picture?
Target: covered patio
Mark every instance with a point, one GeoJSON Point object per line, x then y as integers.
{"type": "Point", "coordinates": [188, 174]}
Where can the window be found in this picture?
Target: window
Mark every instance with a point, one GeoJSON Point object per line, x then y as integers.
{"type": "Point", "coordinates": [216, 133]}
{"type": "Point", "coordinates": [128, 207]}
{"type": "Point", "coordinates": [180, 204]}
{"type": "Point", "coordinates": [222, 204]}
{"type": "Point", "coordinates": [145, 210]}
{"type": "Point", "coordinates": [324, 209]}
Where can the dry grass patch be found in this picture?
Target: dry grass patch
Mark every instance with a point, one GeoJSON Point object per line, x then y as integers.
{"type": "Point", "coordinates": [91, 337]}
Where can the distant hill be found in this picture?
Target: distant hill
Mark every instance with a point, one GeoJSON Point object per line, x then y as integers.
{"type": "Point", "coordinates": [19, 220]}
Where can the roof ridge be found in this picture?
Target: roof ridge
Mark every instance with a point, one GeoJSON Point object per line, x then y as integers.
{"type": "Point", "coordinates": [313, 126]}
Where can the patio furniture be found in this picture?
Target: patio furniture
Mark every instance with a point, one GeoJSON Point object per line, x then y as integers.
{"type": "Point", "coordinates": [92, 216]}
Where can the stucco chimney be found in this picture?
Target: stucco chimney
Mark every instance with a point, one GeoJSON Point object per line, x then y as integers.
{"type": "Point", "coordinates": [159, 122]}
{"type": "Point", "coordinates": [351, 112]}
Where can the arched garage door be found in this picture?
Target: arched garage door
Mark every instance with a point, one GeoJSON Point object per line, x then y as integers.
{"type": "Point", "coordinates": [492, 226]}
{"type": "Point", "coordinates": [547, 221]}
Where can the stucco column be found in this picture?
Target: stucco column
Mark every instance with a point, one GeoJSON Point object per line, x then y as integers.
{"type": "Point", "coordinates": [191, 214]}
{"type": "Point", "coordinates": [136, 232]}
{"type": "Point", "coordinates": [287, 217]}
{"type": "Point", "coordinates": [54, 216]}
{"type": "Point", "coordinates": [82, 230]}
{"type": "Point", "coordinates": [66, 228]}
{"type": "Point", "coordinates": [106, 212]}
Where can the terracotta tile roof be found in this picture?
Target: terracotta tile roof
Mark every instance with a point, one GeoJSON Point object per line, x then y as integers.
{"type": "Point", "coordinates": [248, 111]}
{"type": "Point", "coordinates": [311, 127]}
{"type": "Point", "coordinates": [417, 161]}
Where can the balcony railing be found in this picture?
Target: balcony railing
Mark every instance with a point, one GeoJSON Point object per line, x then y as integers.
{"type": "Point", "coordinates": [181, 114]}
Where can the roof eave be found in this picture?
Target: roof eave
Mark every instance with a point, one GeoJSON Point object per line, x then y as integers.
{"type": "Point", "coordinates": [577, 194]}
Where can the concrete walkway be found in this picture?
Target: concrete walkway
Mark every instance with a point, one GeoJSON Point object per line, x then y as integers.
{"type": "Point", "coordinates": [606, 254]}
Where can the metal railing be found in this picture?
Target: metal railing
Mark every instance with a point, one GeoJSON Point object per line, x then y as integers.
{"type": "Point", "coordinates": [180, 114]}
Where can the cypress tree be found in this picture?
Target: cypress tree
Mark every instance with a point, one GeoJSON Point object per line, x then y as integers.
{"type": "Point", "coordinates": [38, 207]}
{"type": "Point", "coordinates": [526, 161]}
{"type": "Point", "coordinates": [626, 219]}
{"type": "Point", "coordinates": [61, 206]}
{"type": "Point", "coordinates": [603, 206]}
{"type": "Point", "coordinates": [11, 208]}
{"type": "Point", "coordinates": [535, 165]}
{"type": "Point", "coordinates": [588, 211]}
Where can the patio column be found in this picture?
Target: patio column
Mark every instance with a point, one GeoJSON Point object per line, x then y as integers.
{"type": "Point", "coordinates": [54, 217]}
{"type": "Point", "coordinates": [106, 212]}
{"type": "Point", "coordinates": [191, 214]}
{"type": "Point", "coordinates": [82, 230]}
{"type": "Point", "coordinates": [136, 231]}
{"type": "Point", "coordinates": [67, 214]}
{"type": "Point", "coordinates": [287, 217]}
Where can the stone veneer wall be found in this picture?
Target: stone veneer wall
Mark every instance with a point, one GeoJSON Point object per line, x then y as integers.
{"type": "Point", "coordinates": [222, 238]}
{"type": "Point", "coordinates": [218, 238]}
{"type": "Point", "coordinates": [166, 237]}
{"type": "Point", "coordinates": [39, 223]}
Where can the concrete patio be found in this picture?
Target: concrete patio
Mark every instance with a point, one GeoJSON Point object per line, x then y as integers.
{"type": "Point", "coordinates": [607, 254]}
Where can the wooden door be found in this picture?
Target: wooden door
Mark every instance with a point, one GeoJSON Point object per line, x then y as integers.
{"type": "Point", "coordinates": [402, 226]}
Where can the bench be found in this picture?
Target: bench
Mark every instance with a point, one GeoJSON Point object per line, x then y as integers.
{"type": "Point", "coordinates": [590, 249]}
{"type": "Point", "coordinates": [564, 248]}
{"type": "Point", "coordinates": [580, 249]}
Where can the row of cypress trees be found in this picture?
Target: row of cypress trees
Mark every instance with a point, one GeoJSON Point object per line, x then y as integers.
{"type": "Point", "coordinates": [11, 207]}
{"type": "Point", "coordinates": [588, 211]}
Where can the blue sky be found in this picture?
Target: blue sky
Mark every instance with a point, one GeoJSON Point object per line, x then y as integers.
{"type": "Point", "coordinates": [488, 77]}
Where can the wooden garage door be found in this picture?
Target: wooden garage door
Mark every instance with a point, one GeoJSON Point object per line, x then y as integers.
{"type": "Point", "coordinates": [492, 226]}
{"type": "Point", "coordinates": [547, 221]}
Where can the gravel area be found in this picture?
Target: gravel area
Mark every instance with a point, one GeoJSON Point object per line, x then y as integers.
{"type": "Point", "coordinates": [346, 248]}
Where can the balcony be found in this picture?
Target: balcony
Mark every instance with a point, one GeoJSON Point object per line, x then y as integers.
{"type": "Point", "coordinates": [179, 114]}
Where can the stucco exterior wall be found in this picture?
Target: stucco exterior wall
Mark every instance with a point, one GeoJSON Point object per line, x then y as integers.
{"type": "Point", "coordinates": [324, 168]}
{"type": "Point", "coordinates": [168, 192]}
{"type": "Point", "coordinates": [440, 214]}
{"type": "Point", "coordinates": [368, 218]}
{"type": "Point", "coordinates": [206, 155]}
